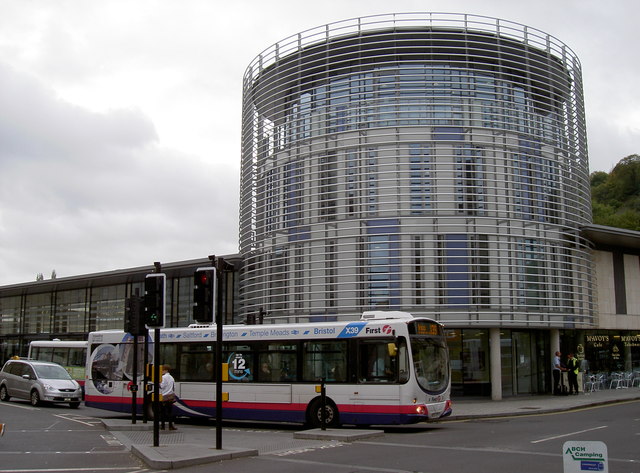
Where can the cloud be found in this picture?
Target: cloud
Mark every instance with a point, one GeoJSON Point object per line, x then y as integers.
{"type": "Point", "coordinates": [120, 121]}
{"type": "Point", "coordinates": [80, 189]}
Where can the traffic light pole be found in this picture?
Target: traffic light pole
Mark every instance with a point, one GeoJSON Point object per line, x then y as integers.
{"type": "Point", "coordinates": [134, 325]}
{"type": "Point", "coordinates": [219, 383]}
{"type": "Point", "coordinates": [219, 325]}
{"type": "Point", "coordinates": [219, 305]}
{"type": "Point", "coordinates": [156, 387]}
{"type": "Point", "coordinates": [154, 309]}
{"type": "Point", "coordinates": [134, 381]}
{"type": "Point", "coordinates": [145, 379]}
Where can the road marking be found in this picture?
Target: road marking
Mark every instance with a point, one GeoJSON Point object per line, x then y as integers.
{"type": "Point", "coordinates": [111, 440]}
{"type": "Point", "coordinates": [569, 434]}
{"type": "Point", "coordinates": [21, 406]}
{"type": "Point", "coordinates": [349, 466]}
{"type": "Point", "coordinates": [295, 451]}
{"type": "Point", "coordinates": [76, 418]}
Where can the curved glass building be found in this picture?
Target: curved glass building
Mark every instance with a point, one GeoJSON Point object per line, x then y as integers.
{"type": "Point", "coordinates": [433, 163]}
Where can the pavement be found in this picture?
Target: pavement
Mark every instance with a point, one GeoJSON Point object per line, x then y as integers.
{"type": "Point", "coordinates": [194, 444]}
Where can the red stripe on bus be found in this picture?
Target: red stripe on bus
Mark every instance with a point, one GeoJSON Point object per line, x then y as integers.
{"type": "Point", "coordinates": [344, 408]}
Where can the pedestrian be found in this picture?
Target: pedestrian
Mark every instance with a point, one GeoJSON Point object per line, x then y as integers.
{"type": "Point", "coordinates": [556, 370]}
{"type": "Point", "coordinates": [167, 390]}
{"type": "Point", "coordinates": [572, 372]}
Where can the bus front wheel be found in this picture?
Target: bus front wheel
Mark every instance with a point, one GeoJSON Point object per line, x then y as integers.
{"type": "Point", "coordinates": [331, 415]}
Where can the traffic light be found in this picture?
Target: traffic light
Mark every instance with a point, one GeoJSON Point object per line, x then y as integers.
{"type": "Point", "coordinates": [133, 315]}
{"type": "Point", "coordinates": [204, 294]}
{"type": "Point", "coordinates": [154, 289]}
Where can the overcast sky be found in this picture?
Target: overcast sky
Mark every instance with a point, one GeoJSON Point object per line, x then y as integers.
{"type": "Point", "coordinates": [120, 119]}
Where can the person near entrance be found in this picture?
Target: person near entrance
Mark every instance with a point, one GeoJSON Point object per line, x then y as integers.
{"type": "Point", "coordinates": [557, 368]}
{"type": "Point", "coordinates": [572, 372]}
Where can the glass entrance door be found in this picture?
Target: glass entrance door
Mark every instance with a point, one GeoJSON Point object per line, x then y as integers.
{"type": "Point", "coordinates": [523, 370]}
{"type": "Point", "coordinates": [523, 362]}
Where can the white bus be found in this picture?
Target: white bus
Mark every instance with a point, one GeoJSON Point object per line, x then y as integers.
{"type": "Point", "coordinates": [386, 368]}
{"type": "Point", "coordinates": [71, 354]}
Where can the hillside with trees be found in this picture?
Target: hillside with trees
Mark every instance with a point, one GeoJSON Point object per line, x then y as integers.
{"type": "Point", "coordinates": [615, 196]}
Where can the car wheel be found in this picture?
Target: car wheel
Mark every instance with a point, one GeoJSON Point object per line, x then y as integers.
{"type": "Point", "coordinates": [35, 398]}
{"type": "Point", "coordinates": [4, 395]}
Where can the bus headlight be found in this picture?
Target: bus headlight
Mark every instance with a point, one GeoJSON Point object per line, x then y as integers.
{"type": "Point", "coordinates": [421, 410]}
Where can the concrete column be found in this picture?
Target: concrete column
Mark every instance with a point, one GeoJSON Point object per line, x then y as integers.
{"type": "Point", "coordinates": [496, 364]}
{"type": "Point", "coordinates": [555, 341]}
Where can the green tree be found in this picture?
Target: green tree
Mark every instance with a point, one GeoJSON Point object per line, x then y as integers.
{"type": "Point", "coordinates": [597, 178]}
{"type": "Point", "coordinates": [615, 197]}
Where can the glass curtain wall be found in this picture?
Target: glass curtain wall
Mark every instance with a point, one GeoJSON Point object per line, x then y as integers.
{"type": "Point", "coordinates": [419, 161]}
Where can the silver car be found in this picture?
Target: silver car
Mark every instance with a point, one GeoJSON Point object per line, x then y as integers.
{"type": "Point", "coordinates": [38, 381]}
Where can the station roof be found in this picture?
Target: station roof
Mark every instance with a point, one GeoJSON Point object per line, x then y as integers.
{"type": "Point", "coordinates": [108, 278]}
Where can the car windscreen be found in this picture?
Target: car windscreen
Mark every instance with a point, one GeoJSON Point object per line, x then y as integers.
{"type": "Point", "coordinates": [51, 372]}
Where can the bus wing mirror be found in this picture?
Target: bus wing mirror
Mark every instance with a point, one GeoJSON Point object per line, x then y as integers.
{"type": "Point", "coordinates": [392, 349]}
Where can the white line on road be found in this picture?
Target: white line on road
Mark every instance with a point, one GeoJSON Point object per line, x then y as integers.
{"type": "Point", "coordinates": [111, 440]}
{"type": "Point", "coordinates": [569, 434]}
{"type": "Point", "coordinates": [77, 419]}
{"type": "Point", "coordinates": [21, 406]}
{"type": "Point", "coordinates": [349, 467]}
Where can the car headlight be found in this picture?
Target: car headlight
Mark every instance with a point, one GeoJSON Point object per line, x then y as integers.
{"type": "Point", "coordinates": [48, 387]}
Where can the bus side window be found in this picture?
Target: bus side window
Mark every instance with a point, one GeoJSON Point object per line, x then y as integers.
{"type": "Point", "coordinates": [288, 367]}
{"type": "Point", "coordinates": [196, 362]}
{"type": "Point", "coordinates": [169, 356]}
{"type": "Point", "coordinates": [77, 356]}
{"type": "Point", "coordinates": [325, 360]}
{"type": "Point", "coordinates": [43, 353]}
{"type": "Point", "coordinates": [60, 356]}
{"type": "Point", "coordinates": [267, 372]}
{"type": "Point", "coordinates": [376, 365]}
{"type": "Point", "coordinates": [277, 362]}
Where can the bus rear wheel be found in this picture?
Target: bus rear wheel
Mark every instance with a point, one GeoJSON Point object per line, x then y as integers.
{"type": "Point", "coordinates": [331, 415]}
